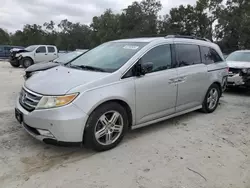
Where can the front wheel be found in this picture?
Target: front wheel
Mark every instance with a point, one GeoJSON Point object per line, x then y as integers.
{"type": "Point", "coordinates": [106, 127]}
{"type": "Point", "coordinates": [15, 63]}
{"type": "Point", "coordinates": [211, 100]}
{"type": "Point", "coordinates": [26, 62]}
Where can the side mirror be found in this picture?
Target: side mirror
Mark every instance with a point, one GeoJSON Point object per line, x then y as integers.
{"type": "Point", "coordinates": [143, 68]}
{"type": "Point", "coordinates": [146, 68]}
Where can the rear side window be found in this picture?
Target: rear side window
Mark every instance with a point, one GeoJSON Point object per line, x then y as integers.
{"type": "Point", "coordinates": [209, 55]}
{"type": "Point", "coordinates": [187, 54]}
{"type": "Point", "coordinates": [160, 56]}
{"type": "Point", "coordinates": [51, 49]}
{"type": "Point", "coordinates": [41, 49]}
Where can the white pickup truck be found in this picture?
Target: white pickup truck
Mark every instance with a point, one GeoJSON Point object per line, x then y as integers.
{"type": "Point", "coordinates": [33, 54]}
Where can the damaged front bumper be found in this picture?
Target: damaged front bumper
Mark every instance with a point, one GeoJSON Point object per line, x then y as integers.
{"type": "Point", "coordinates": [238, 79]}
{"type": "Point", "coordinates": [15, 60]}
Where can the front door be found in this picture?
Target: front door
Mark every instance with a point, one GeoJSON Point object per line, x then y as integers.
{"type": "Point", "coordinates": [193, 78]}
{"type": "Point", "coordinates": [41, 54]}
{"type": "Point", "coordinates": [156, 91]}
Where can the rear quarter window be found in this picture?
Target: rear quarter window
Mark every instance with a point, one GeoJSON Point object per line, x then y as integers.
{"type": "Point", "coordinates": [209, 55]}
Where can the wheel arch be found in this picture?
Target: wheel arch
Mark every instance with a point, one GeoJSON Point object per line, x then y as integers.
{"type": "Point", "coordinates": [220, 87]}
{"type": "Point", "coordinates": [121, 102]}
{"type": "Point", "coordinates": [28, 57]}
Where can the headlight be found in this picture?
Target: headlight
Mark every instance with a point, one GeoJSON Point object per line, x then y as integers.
{"type": "Point", "coordinates": [246, 71]}
{"type": "Point", "coordinates": [19, 57]}
{"type": "Point", "coordinates": [55, 101]}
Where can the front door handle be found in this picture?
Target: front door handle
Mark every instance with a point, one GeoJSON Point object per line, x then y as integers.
{"type": "Point", "coordinates": [173, 80]}
{"type": "Point", "coordinates": [182, 78]}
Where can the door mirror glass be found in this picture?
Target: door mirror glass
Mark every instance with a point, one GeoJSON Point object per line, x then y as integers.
{"type": "Point", "coordinates": [143, 68]}
{"type": "Point", "coordinates": [147, 67]}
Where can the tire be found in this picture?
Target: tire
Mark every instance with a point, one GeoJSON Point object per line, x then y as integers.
{"type": "Point", "coordinates": [15, 64]}
{"type": "Point", "coordinates": [96, 123]}
{"type": "Point", "coordinates": [212, 96]}
{"type": "Point", "coordinates": [26, 62]}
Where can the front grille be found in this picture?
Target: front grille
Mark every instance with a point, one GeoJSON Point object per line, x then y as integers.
{"type": "Point", "coordinates": [29, 100]}
{"type": "Point", "coordinates": [234, 70]}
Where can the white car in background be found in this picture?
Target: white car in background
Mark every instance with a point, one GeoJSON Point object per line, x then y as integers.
{"type": "Point", "coordinates": [33, 54]}
{"type": "Point", "coordinates": [239, 69]}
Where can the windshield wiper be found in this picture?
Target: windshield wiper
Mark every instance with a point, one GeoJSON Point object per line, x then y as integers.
{"type": "Point", "coordinates": [87, 67]}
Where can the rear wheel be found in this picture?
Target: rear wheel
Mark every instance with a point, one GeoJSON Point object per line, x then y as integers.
{"type": "Point", "coordinates": [211, 100]}
{"type": "Point", "coordinates": [106, 127]}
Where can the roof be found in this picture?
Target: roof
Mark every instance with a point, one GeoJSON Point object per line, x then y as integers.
{"type": "Point", "coordinates": [170, 39]}
{"type": "Point", "coordinates": [179, 39]}
{"type": "Point", "coordinates": [143, 39]}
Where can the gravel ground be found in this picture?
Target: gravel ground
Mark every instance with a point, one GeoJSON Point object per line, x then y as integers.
{"type": "Point", "coordinates": [194, 150]}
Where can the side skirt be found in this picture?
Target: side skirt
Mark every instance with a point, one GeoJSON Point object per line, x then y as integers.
{"type": "Point", "coordinates": [165, 118]}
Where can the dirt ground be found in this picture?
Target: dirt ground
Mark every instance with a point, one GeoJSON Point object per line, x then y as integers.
{"type": "Point", "coordinates": [194, 150]}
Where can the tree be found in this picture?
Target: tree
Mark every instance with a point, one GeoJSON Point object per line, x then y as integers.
{"type": "Point", "coordinates": [140, 19]}
{"type": "Point", "coordinates": [229, 25]}
{"type": "Point", "coordinates": [233, 26]}
{"type": "Point", "coordinates": [195, 20]}
{"type": "Point", "coordinates": [105, 27]}
{"type": "Point", "coordinates": [4, 37]}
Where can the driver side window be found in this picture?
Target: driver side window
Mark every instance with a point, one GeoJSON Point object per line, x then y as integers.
{"type": "Point", "coordinates": [160, 56]}
{"type": "Point", "coordinates": [41, 49]}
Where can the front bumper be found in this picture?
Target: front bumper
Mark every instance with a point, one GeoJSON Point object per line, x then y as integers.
{"type": "Point", "coordinates": [66, 124]}
{"type": "Point", "coordinates": [238, 80]}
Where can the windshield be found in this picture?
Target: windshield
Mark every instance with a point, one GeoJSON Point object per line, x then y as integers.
{"type": "Point", "coordinates": [65, 58]}
{"type": "Point", "coordinates": [109, 56]}
{"type": "Point", "coordinates": [239, 56]}
{"type": "Point", "coordinates": [31, 48]}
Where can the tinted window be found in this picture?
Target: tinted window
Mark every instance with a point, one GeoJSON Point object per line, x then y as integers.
{"type": "Point", "coordinates": [209, 55]}
{"type": "Point", "coordinates": [51, 49]}
{"type": "Point", "coordinates": [41, 49]}
{"type": "Point", "coordinates": [187, 54]}
{"type": "Point", "coordinates": [160, 56]}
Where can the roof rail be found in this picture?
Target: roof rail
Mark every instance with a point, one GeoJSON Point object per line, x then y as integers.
{"type": "Point", "coordinates": [187, 37]}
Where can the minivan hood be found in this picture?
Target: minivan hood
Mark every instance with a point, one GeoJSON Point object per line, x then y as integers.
{"type": "Point", "coordinates": [59, 80]}
{"type": "Point", "coordinates": [238, 64]}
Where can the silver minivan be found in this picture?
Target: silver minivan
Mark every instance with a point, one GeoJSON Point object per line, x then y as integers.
{"type": "Point", "coordinates": [121, 85]}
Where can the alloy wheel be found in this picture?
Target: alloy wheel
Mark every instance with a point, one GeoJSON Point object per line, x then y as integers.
{"type": "Point", "coordinates": [109, 127]}
{"type": "Point", "coordinates": [212, 98]}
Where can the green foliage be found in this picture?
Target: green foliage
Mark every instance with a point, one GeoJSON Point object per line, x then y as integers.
{"type": "Point", "coordinates": [4, 37]}
{"type": "Point", "coordinates": [229, 25]}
